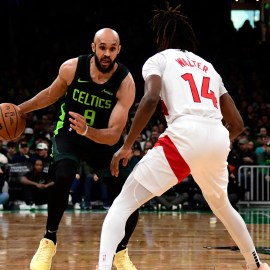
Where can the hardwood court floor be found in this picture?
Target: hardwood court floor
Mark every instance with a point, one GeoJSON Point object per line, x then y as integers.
{"type": "Point", "coordinates": [162, 240]}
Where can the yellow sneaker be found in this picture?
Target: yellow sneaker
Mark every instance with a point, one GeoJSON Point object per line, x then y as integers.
{"type": "Point", "coordinates": [42, 259]}
{"type": "Point", "coordinates": [122, 261]}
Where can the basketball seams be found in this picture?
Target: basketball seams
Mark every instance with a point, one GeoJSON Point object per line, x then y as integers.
{"type": "Point", "coordinates": [17, 120]}
{"type": "Point", "coordinates": [4, 122]}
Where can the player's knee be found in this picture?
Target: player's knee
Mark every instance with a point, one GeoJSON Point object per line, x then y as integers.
{"type": "Point", "coordinates": [218, 200]}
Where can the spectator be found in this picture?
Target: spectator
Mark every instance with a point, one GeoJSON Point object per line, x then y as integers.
{"type": "Point", "coordinates": [234, 162]}
{"type": "Point", "coordinates": [23, 155]}
{"type": "Point", "coordinates": [89, 182]}
{"type": "Point", "coordinates": [40, 138]}
{"type": "Point", "coordinates": [161, 128]}
{"type": "Point", "coordinates": [246, 34]}
{"type": "Point", "coordinates": [4, 196]}
{"type": "Point", "coordinates": [248, 115]}
{"type": "Point", "coordinates": [247, 133]}
{"type": "Point", "coordinates": [36, 187]}
{"type": "Point", "coordinates": [260, 150]}
{"type": "Point", "coordinates": [2, 149]}
{"type": "Point", "coordinates": [247, 157]}
{"type": "Point", "coordinates": [172, 199]}
{"type": "Point", "coordinates": [251, 146]}
{"type": "Point", "coordinates": [154, 136]}
{"type": "Point", "coordinates": [92, 181]}
{"type": "Point", "coordinates": [11, 150]}
{"type": "Point", "coordinates": [263, 136]}
{"type": "Point", "coordinates": [42, 152]}
{"type": "Point", "coordinates": [140, 140]}
{"type": "Point", "coordinates": [264, 154]}
{"type": "Point", "coordinates": [75, 192]}
{"type": "Point", "coordinates": [265, 119]}
{"type": "Point", "coordinates": [150, 129]}
{"type": "Point", "coordinates": [137, 150]}
{"type": "Point", "coordinates": [235, 192]}
{"type": "Point", "coordinates": [148, 145]}
{"type": "Point", "coordinates": [28, 135]}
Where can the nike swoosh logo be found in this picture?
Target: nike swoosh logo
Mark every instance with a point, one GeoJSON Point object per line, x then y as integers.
{"type": "Point", "coordinates": [107, 92]}
{"type": "Point", "coordinates": [82, 81]}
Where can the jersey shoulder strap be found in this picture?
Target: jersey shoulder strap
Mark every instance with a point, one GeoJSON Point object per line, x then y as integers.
{"type": "Point", "coordinates": [83, 67]}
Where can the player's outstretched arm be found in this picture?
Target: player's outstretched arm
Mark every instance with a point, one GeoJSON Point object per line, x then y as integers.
{"type": "Point", "coordinates": [52, 93]}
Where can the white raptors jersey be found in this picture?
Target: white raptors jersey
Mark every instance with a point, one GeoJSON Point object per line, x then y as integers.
{"type": "Point", "coordinates": [190, 85]}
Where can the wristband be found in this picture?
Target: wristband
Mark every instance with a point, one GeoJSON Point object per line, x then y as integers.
{"type": "Point", "coordinates": [86, 129]}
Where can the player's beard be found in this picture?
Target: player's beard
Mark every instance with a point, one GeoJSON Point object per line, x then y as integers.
{"type": "Point", "coordinates": [99, 66]}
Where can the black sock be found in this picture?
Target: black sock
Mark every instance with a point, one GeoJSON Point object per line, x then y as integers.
{"type": "Point", "coordinates": [120, 248]}
{"type": "Point", "coordinates": [51, 235]}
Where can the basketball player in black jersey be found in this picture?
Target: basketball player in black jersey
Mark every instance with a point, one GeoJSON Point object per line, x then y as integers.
{"type": "Point", "coordinates": [97, 93]}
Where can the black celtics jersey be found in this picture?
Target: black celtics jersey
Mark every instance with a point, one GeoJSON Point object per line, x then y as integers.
{"type": "Point", "coordinates": [94, 101]}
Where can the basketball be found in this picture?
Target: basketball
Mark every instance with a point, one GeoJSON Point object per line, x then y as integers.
{"type": "Point", "coordinates": [12, 124]}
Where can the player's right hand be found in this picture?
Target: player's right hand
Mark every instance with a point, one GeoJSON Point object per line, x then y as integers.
{"type": "Point", "coordinates": [122, 154]}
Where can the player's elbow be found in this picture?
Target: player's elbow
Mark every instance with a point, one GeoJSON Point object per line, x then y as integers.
{"type": "Point", "coordinates": [236, 128]}
{"type": "Point", "coordinates": [151, 101]}
{"type": "Point", "coordinates": [111, 143]}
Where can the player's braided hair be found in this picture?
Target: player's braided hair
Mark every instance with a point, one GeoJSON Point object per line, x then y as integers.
{"type": "Point", "coordinates": [172, 29]}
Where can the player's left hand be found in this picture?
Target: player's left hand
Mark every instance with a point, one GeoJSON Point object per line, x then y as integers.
{"type": "Point", "coordinates": [122, 153]}
{"type": "Point", "coordinates": [78, 123]}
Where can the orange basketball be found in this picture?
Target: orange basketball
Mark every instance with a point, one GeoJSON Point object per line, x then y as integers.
{"type": "Point", "coordinates": [12, 124]}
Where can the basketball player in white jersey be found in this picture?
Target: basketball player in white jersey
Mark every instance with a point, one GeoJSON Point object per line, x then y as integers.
{"type": "Point", "coordinates": [196, 141]}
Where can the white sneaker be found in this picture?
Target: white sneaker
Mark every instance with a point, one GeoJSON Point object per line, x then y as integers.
{"type": "Point", "coordinates": [24, 206]}
{"type": "Point", "coordinates": [77, 206]}
{"type": "Point", "coordinates": [42, 207]}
